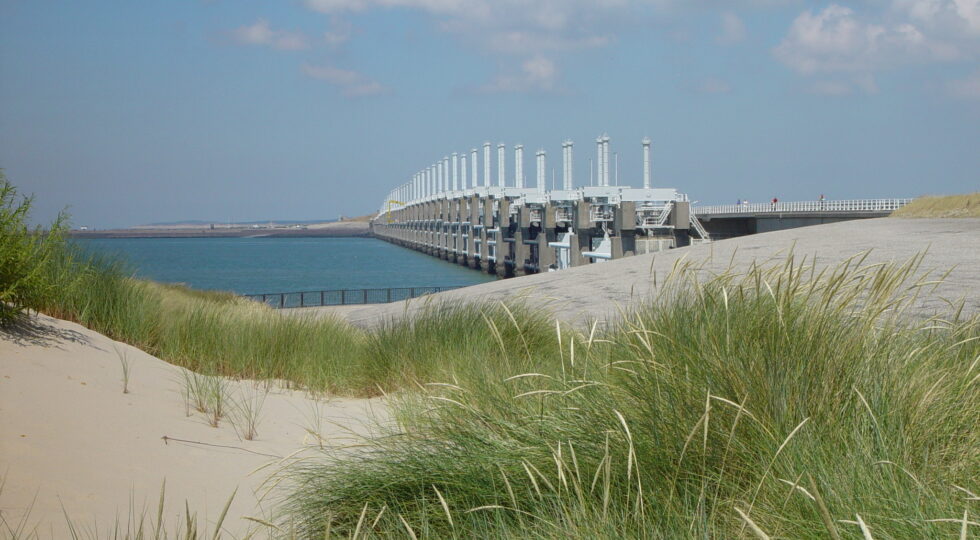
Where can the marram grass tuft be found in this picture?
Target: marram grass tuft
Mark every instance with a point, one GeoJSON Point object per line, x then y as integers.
{"type": "Point", "coordinates": [780, 403]}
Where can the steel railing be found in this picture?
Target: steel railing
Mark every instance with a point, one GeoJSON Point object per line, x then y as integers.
{"type": "Point", "coordinates": [343, 297]}
{"type": "Point", "coordinates": [858, 205]}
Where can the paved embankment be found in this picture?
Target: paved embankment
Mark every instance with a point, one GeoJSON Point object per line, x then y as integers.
{"type": "Point", "coordinates": [603, 290]}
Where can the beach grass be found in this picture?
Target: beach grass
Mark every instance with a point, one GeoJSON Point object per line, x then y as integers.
{"type": "Point", "coordinates": [222, 334]}
{"type": "Point", "coordinates": [949, 206]}
{"type": "Point", "coordinates": [137, 523]}
{"type": "Point", "coordinates": [126, 366]}
{"type": "Point", "coordinates": [773, 404]}
{"type": "Point", "coordinates": [246, 412]}
{"type": "Point", "coordinates": [25, 254]}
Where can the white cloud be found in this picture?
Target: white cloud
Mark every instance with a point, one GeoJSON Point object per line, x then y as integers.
{"type": "Point", "coordinates": [968, 88]}
{"type": "Point", "coordinates": [261, 34]}
{"type": "Point", "coordinates": [339, 33]}
{"type": "Point", "coordinates": [350, 83]}
{"type": "Point", "coordinates": [532, 33]}
{"type": "Point", "coordinates": [866, 83]}
{"type": "Point", "coordinates": [951, 16]}
{"type": "Point", "coordinates": [969, 11]}
{"type": "Point", "coordinates": [732, 29]}
{"type": "Point", "coordinates": [339, 6]}
{"type": "Point", "coordinates": [822, 43]}
{"type": "Point", "coordinates": [835, 40]}
{"type": "Point", "coordinates": [537, 74]}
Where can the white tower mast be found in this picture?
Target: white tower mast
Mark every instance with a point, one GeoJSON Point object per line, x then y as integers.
{"type": "Point", "coordinates": [440, 170]}
{"type": "Point", "coordinates": [605, 160]}
{"type": "Point", "coordinates": [486, 164]}
{"type": "Point", "coordinates": [445, 173]}
{"type": "Point", "coordinates": [455, 171]}
{"type": "Point", "coordinates": [646, 162]}
{"type": "Point", "coordinates": [501, 161]}
{"type": "Point", "coordinates": [542, 187]}
{"type": "Point", "coordinates": [474, 168]}
{"type": "Point", "coordinates": [519, 165]}
{"type": "Point", "coordinates": [598, 160]}
{"type": "Point", "coordinates": [567, 166]}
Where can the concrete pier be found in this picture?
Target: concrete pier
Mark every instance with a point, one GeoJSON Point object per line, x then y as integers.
{"type": "Point", "coordinates": [518, 231]}
{"type": "Point", "coordinates": [512, 229]}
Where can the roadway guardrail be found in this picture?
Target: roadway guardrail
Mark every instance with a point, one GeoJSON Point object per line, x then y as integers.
{"type": "Point", "coordinates": [343, 297]}
{"type": "Point", "coordinates": [857, 205]}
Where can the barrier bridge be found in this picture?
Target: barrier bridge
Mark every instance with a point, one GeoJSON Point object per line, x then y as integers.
{"type": "Point", "coordinates": [730, 220]}
{"type": "Point", "coordinates": [458, 210]}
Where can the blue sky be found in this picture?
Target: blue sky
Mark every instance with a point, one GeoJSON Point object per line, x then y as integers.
{"type": "Point", "coordinates": [137, 112]}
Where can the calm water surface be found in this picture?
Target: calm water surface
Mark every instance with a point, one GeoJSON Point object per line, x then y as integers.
{"type": "Point", "coordinates": [267, 265]}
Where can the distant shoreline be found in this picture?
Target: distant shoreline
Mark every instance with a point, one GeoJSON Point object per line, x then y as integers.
{"type": "Point", "coordinates": [348, 229]}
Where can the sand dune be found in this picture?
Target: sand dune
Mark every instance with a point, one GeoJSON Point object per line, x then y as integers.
{"type": "Point", "coordinates": [70, 437]}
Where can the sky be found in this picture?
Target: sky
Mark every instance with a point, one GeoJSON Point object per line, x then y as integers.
{"type": "Point", "coordinates": [137, 112]}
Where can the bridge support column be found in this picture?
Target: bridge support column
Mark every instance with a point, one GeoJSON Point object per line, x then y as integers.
{"type": "Point", "coordinates": [473, 252]}
{"type": "Point", "coordinates": [521, 249]}
{"type": "Point", "coordinates": [461, 219]}
{"type": "Point", "coordinates": [625, 222]}
{"type": "Point", "coordinates": [444, 229]}
{"type": "Point", "coordinates": [487, 225]}
{"type": "Point", "coordinates": [502, 248]}
{"type": "Point", "coordinates": [680, 218]}
{"type": "Point", "coordinates": [582, 239]}
{"type": "Point", "coordinates": [427, 228]}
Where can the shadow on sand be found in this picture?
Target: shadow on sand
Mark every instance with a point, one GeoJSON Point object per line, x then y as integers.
{"type": "Point", "coordinates": [31, 330]}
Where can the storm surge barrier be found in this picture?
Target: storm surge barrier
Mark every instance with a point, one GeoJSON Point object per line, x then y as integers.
{"type": "Point", "coordinates": [471, 209]}
{"type": "Point", "coordinates": [343, 297]}
{"type": "Point", "coordinates": [462, 210]}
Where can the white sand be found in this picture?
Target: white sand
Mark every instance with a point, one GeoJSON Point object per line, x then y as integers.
{"type": "Point", "coordinates": [70, 436]}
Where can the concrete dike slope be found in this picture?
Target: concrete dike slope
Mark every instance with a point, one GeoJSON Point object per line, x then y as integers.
{"type": "Point", "coordinates": [603, 290]}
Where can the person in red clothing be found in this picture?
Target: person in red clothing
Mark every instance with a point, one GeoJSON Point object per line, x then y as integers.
{"type": "Point", "coordinates": [774, 201]}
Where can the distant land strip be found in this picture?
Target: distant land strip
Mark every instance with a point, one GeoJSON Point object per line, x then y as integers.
{"type": "Point", "coordinates": [331, 230]}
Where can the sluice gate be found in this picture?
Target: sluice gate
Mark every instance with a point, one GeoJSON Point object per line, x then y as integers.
{"type": "Point", "coordinates": [510, 229]}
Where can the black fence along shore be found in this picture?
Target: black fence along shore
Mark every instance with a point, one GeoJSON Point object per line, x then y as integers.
{"type": "Point", "coordinates": [343, 297]}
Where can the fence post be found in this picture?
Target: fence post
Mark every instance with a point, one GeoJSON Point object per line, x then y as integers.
{"type": "Point", "coordinates": [365, 296]}
{"type": "Point", "coordinates": [282, 300]}
{"type": "Point", "coordinates": [302, 300]}
{"type": "Point", "coordinates": [389, 295]}
{"type": "Point", "coordinates": [321, 298]}
{"type": "Point", "coordinates": [343, 296]}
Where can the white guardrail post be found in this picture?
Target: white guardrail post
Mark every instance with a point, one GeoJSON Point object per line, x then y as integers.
{"type": "Point", "coordinates": [857, 205]}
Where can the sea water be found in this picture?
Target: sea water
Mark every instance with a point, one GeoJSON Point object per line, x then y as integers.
{"type": "Point", "coordinates": [274, 265]}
